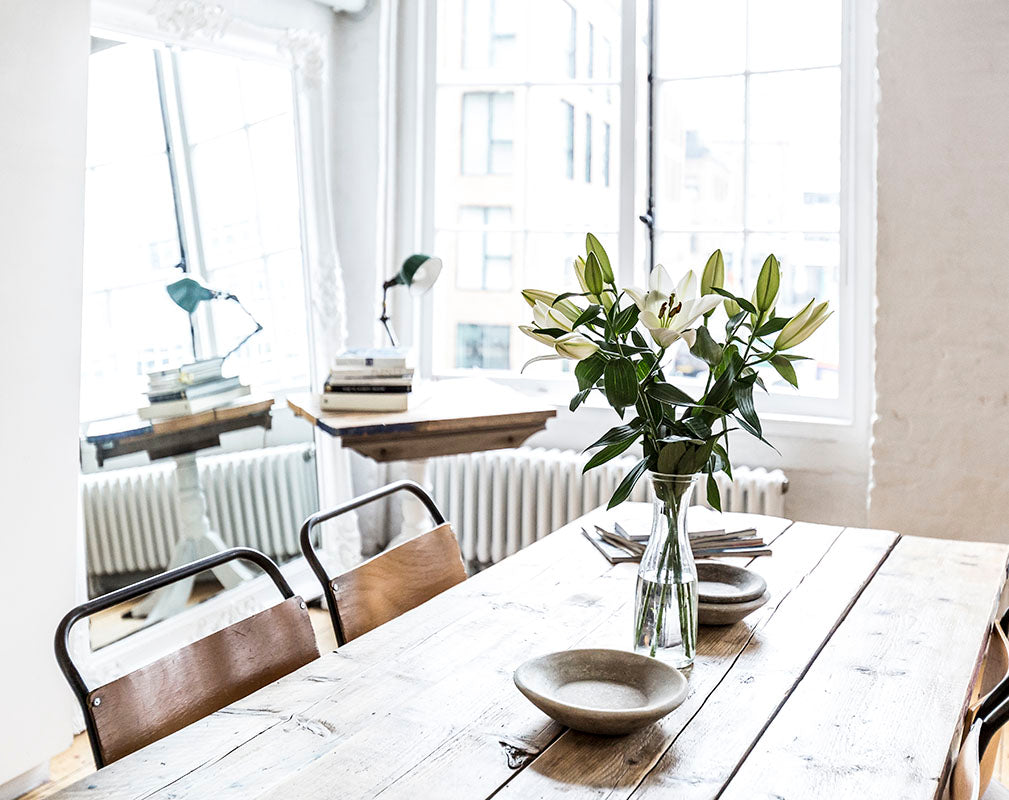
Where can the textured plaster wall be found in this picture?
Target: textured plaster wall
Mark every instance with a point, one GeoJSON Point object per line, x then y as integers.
{"type": "Point", "coordinates": [941, 436]}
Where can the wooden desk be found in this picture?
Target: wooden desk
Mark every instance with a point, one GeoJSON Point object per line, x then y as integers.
{"type": "Point", "coordinates": [445, 418]}
{"type": "Point", "coordinates": [180, 438]}
{"type": "Point", "coordinates": [850, 683]}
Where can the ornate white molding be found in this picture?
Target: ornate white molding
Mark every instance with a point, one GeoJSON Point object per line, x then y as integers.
{"type": "Point", "coordinates": [189, 18]}
{"type": "Point", "coordinates": [305, 49]}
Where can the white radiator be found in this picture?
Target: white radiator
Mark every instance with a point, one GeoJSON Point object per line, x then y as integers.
{"type": "Point", "coordinates": [255, 498]}
{"type": "Point", "coordinates": [502, 500]}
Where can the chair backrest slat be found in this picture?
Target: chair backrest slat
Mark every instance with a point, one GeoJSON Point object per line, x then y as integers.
{"type": "Point", "coordinates": [201, 678]}
{"type": "Point", "coordinates": [397, 580]}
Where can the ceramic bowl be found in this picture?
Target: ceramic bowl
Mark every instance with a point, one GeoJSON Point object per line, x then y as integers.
{"type": "Point", "coordinates": [725, 583]}
{"type": "Point", "coordinates": [601, 691]}
{"type": "Point", "coordinates": [728, 613]}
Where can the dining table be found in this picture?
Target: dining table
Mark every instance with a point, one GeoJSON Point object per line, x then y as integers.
{"type": "Point", "coordinates": [851, 682]}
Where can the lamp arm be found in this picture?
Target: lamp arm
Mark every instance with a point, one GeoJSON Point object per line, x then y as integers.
{"type": "Point", "coordinates": [384, 319]}
{"type": "Point", "coordinates": [258, 328]}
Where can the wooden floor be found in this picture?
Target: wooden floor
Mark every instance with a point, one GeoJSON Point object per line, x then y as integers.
{"type": "Point", "coordinates": [73, 764]}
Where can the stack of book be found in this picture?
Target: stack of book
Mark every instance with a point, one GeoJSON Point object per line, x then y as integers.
{"type": "Point", "coordinates": [372, 379]}
{"type": "Point", "coordinates": [190, 389]}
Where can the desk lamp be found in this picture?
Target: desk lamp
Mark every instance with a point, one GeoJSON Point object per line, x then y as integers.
{"type": "Point", "coordinates": [418, 274]}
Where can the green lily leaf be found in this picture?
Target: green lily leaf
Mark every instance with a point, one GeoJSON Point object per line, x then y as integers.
{"type": "Point", "coordinates": [589, 370]}
{"type": "Point", "coordinates": [714, 498]}
{"type": "Point", "coordinates": [621, 382]}
{"type": "Point", "coordinates": [609, 452]}
{"type": "Point", "coordinates": [705, 348]}
{"type": "Point", "coordinates": [627, 484]}
{"type": "Point", "coordinates": [785, 369]}
{"type": "Point", "coordinates": [588, 315]}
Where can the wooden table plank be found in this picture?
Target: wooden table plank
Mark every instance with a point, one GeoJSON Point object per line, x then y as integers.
{"type": "Point", "coordinates": [876, 713]}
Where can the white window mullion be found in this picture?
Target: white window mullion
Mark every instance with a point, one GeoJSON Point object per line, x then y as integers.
{"type": "Point", "coordinates": [203, 320]}
{"type": "Point", "coordinates": [627, 158]}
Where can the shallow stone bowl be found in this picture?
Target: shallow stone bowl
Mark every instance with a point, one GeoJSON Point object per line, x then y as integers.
{"type": "Point", "coordinates": [609, 692]}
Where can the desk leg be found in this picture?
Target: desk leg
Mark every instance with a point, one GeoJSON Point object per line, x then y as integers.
{"type": "Point", "coordinates": [415, 517]}
{"type": "Point", "coordinates": [197, 541]}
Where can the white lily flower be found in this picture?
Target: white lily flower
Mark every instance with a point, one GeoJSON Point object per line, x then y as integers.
{"type": "Point", "coordinates": [667, 311]}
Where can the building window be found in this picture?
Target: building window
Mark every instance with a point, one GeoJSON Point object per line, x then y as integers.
{"type": "Point", "coordinates": [482, 346]}
{"type": "Point", "coordinates": [489, 34]}
{"type": "Point", "coordinates": [568, 112]}
{"type": "Point", "coordinates": [592, 51]}
{"type": "Point", "coordinates": [487, 133]}
{"type": "Point", "coordinates": [606, 154]}
{"type": "Point", "coordinates": [233, 223]}
{"type": "Point", "coordinates": [484, 257]}
{"type": "Point", "coordinates": [588, 148]}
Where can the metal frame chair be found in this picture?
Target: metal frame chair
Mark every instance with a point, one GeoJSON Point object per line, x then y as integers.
{"type": "Point", "coordinates": [106, 601]}
{"type": "Point", "coordinates": [323, 516]}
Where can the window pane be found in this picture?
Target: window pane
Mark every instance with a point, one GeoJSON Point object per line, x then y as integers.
{"type": "Point", "coordinates": [697, 39]}
{"type": "Point", "coordinates": [795, 151]}
{"type": "Point", "coordinates": [699, 154]}
{"type": "Point", "coordinates": [124, 115]}
{"type": "Point", "coordinates": [212, 94]}
{"type": "Point", "coordinates": [785, 34]}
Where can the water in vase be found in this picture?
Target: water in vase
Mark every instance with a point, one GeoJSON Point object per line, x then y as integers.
{"type": "Point", "coordinates": [663, 612]}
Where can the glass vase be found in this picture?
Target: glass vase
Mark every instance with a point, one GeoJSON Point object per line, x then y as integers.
{"type": "Point", "coordinates": [665, 608]}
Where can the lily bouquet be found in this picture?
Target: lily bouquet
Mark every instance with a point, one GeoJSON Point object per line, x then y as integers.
{"type": "Point", "coordinates": [623, 340]}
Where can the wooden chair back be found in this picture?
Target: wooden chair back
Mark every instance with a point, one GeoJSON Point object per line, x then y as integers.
{"type": "Point", "coordinates": [397, 580]}
{"type": "Point", "coordinates": [161, 698]}
{"type": "Point", "coordinates": [394, 581]}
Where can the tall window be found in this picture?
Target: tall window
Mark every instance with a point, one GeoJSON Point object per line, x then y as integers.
{"type": "Point", "coordinates": [748, 151]}
{"type": "Point", "coordinates": [498, 229]}
{"type": "Point", "coordinates": [191, 168]}
{"type": "Point", "coordinates": [755, 150]}
{"type": "Point", "coordinates": [487, 133]}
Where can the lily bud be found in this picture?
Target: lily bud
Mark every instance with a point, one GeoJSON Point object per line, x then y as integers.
{"type": "Point", "coordinates": [566, 307]}
{"type": "Point", "coordinates": [593, 274]}
{"type": "Point", "coordinates": [575, 346]}
{"type": "Point", "coordinates": [594, 246]}
{"type": "Point", "coordinates": [802, 326]}
{"type": "Point", "coordinates": [767, 284]}
{"type": "Point", "coordinates": [713, 276]}
{"type": "Point", "coordinates": [731, 307]}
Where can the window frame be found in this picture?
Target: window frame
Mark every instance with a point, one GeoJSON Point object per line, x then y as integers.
{"type": "Point", "coordinates": [179, 161]}
{"type": "Point", "coordinates": [806, 416]}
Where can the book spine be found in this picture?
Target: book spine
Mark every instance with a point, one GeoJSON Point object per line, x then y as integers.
{"type": "Point", "coordinates": [365, 389]}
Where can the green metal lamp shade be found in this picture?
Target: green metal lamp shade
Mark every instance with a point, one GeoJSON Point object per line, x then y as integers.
{"type": "Point", "coordinates": [188, 294]}
{"type": "Point", "coordinates": [418, 273]}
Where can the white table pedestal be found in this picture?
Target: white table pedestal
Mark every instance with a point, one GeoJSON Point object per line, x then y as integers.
{"type": "Point", "coordinates": [198, 541]}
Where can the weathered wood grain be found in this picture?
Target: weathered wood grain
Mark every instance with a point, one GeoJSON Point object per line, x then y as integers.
{"type": "Point", "coordinates": [875, 714]}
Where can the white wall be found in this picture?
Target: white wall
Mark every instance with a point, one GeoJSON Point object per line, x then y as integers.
{"type": "Point", "coordinates": [43, 83]}
{"type": "Point", "coordinates": [940, 438]}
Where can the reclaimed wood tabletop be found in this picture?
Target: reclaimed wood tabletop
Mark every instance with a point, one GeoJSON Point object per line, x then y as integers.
{"type": "Point", "coordinates": [851, 682]}
{"type": "Point", "coordinates": [447, 417]}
